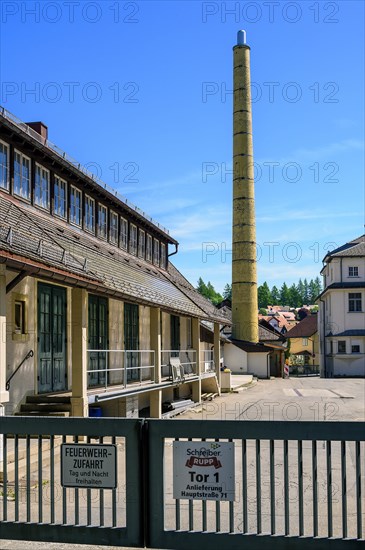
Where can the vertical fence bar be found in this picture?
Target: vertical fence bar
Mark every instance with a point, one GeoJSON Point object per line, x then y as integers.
{"type": "Point", "coordinates": [272, 486]}
{"type": "Point", "coordinates": [231, 510]}
{"type": "Point", "coordinates": [217, 512]}
{"type": "Point", "coordinates": [204, 509]}
{"type": "Point", "coordinates": [329, 489]}
{"type": "Point", "coordinates": [16, 487]}
{"type": "Point", "coordinates": [191, 509]}
{"type": "Point", "coordinates": [344, 489]}
{"type": "Point", "coordinates": [114, 496]}
{"type": "Point", "coordinates": [315, 488]}
{"type": "Point", "coordinates": [77, 497]}
{"type": "Point", "coordinates": [40, 481]}
{"type": "Point", "coordinates": [177, 508]}
{"type": "Point", "coordinates": [286, 487]}
{"type": "Point", "coordinates": [88, 496]}
{"type": "Point", "coordinates": [28, 477]}
{"type": "Point", "coordinates": [358, 489]}
{"type": "Point", "coordinates": [300, 487]}
{"type": "Point", "coordinates": [258, 485]}
{"type": "Point", "coordinates": [101, 496]}
{"type": "Point", "coordinates": [244, 486]}
{"type": "Point", "coordinates": [64, 496]}
{"type": "Point", "coordinates": [52, 481]}
{"type": "Point", "coordinates": [5, 477]}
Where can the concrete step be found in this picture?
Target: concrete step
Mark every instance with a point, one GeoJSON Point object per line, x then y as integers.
{"type": "Point", "coordinates": [49, 399]}
{"type": "Point", "coordinates": [45, 407]}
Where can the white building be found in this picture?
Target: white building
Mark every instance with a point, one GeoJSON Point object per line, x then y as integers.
{"type": "Point", "coordinates": [342, 311]}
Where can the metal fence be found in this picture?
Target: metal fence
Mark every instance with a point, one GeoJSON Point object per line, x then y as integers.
{"type": "Point", "coordinates": [297, 485]}
{"type": "Point", "coordinates": [34, 504]}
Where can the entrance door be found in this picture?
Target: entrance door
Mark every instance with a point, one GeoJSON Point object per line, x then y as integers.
{"type": "Point", "coordinates": [98, 339]}
{"type": "Point", "coordinates": [131, 340]}
{"type": "Point", "coordinates": [52, 368]}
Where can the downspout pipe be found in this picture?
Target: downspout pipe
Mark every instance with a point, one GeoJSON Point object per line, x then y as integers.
{"type": "Point", "coordinates": [324, 338]}
{"type": "Point", "coordinates": [175, 252]}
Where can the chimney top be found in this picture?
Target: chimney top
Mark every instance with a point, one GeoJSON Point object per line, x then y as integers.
{"type": "Point", "coordinates": [241, 38]}
{"type": "Point", "coordinates": [40, 128]}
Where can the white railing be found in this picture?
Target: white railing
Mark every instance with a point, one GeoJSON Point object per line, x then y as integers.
{"type": "Point", "coordinates": [111, 367]}
{"type": "Point", "coordinates": [208, 360]}
{"type": "Point", "coordinates": [187, 359]}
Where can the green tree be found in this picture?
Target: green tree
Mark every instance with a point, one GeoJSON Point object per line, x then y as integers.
{"type": "Point", "coordinates": [301, 292]}
{"type": "Point", "coordinates": [275, 296]}
{"type": "Point", "coordinates": [264, 295]}
{"type": "Point", "coordinates": [227, 292]}
{"type": "Point", "coordinates": [284, 295]}
{"type": "Point", "coordinates": [208, 291]}
{"type": "Point", "coordinates": [294, 296]}
{"type": "Point", "coordinates": [305, 293]}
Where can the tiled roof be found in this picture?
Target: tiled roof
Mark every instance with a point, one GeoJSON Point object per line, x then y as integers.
{"type": "Point", "coordinates": [249, 347]}
{"type": "Point", "coordinates": [306, 327]}
{"type": "Point", "coordinates": [353, 332]}
{"type": "Point", "coordinates": [29, 238]}
{"type": "Point", "coordinates": [353, 248]}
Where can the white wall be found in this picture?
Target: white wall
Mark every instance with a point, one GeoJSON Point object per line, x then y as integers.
{"type": "Point", "coordinates": [235, 359]}
{"type": "Point", "coordinates": [258, 365]}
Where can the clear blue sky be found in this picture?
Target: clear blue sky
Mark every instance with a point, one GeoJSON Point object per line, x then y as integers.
{"type": "Point", "coordinates": [140, 91]}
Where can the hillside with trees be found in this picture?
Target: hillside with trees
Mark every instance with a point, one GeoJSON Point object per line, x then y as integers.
{"type": "Point", "coordinates": [294, 296]}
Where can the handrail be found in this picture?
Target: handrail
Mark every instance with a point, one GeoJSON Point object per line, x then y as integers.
{"type": "Point", "coordinates": [29, 354]}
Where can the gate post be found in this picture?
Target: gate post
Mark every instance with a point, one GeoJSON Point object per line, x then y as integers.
{"type": "Point", "coordinates": [79, 317]}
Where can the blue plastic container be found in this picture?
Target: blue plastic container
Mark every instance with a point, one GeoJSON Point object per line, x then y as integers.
{"type": "Point", "coordinates": [95, 412]}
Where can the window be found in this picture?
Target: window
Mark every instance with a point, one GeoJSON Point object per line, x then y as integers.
{"type": "Point", "coordinates": [21, 175]}
{"type": "Point", "coordinates": [149, 248]}
{"type": "Point", "coordinates": [19, 317]}
{"type": "Point", "coordinates": [60, 197]}
{"type": "Point", "coordinates": [156, 251]}
{"type": "Point", "coordinates": [304, 341]}
{"type": "Point", "coordinates": [102, 221]}
{"type": "Point", "coordinates": [163, 256]}
{"type": "Point", "coordinates": [123, 233]}
{"type": "Point", "coordinates": [89, 214]}
{"type": "Point", "coordinates": [141, 243]}
{"type": "Point", "coordinates": [133, 239]}
{"type": "Point", "coordinates": [353, 271]}
{"type": "Point", "coordinates": [4, 165]}
{"type": "Point", "coordinates": [355, 301]}
{"type": "Point", "coordinates": [41, 190]}
{"type": "Point", "coordinates": [341, 346]}
{"type": "Point", "coordinates": [75, 206]}
{"type": "Point", "coordinates": [189, 331]}
{"type": "Point", "coordinates": [355, 348]}
{"type": "Point", "coordinates": [113, 228]}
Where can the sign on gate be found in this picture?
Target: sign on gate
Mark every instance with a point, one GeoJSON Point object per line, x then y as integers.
{"type": "Point", "coordinates": [203, 470]}
{"type": "Point", "coordinates": [88, 466]}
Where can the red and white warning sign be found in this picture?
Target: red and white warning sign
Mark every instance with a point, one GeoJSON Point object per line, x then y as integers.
{"type": "Point", "coordinates": [203, 470]}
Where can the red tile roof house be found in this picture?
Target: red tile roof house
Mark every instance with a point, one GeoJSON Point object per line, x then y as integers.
{"type": "Point", "coordinates": [303, 342]}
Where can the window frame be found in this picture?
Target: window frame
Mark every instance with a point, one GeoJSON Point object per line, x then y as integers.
{"type": "Point", "coordinates": [355, 302]}
{"type": "Point", "coordinates": [41, 168]}
{"type": "Point", "coordinates": [354, 273]}
{"type": "Point", "coordinates": [163, 255]}
{"type": "Point", "coordinates": [343, 347]}
{"type": "Point", "coordinates": [102, 230]}
{"type": "Point", "coordinates": [113, 229]}
{"type": "Point", "coordinates": [22, 158]}
{"type": "Point", "coordinates": [77, 209]}
{"type": "Point", "coordinates": [133, 239]}
{"type": "Point", "coordinates": [141, 243]}
{"type": "Point", "coordinates": [55, 184]}
{"type": "Point", "coordinates": [149, 244]}
{"type": "Point", "coordinates": [123, 233]}
{"type": "Point", "coordinates": [5, 167]}
{"type": "Point", "coordinates": [156, 251]}
{"type": "Point", "coordinates": [89, 220]}
{"type": "Point", "coordinates": [355, 346]}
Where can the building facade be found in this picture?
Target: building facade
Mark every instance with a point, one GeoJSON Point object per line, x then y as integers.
{"type": "Point", "coordinates": [91, 309]}
{"type": "Point", "coordinates": [342, 311]}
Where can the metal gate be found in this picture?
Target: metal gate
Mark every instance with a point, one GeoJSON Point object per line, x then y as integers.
{"type": "Point", "coordinates": [297, 485]}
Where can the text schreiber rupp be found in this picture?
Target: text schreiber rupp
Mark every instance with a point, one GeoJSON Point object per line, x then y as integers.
{"type": "Point", "coordinates": [203, 470]}
{"type": "Point", "coordinates": [88, 466]}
